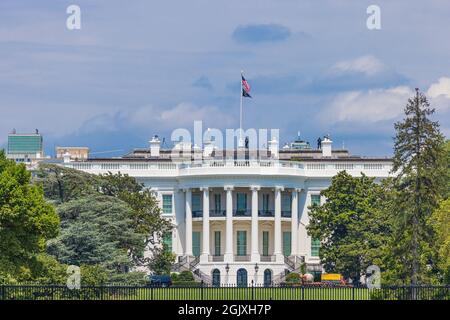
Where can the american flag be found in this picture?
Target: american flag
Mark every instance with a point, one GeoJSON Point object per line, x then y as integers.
{"type": "Point", "coordinates": [245, 88]}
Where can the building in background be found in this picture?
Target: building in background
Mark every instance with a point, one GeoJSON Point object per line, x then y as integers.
{"type": "Point", "coordinates": [75, 153]}
{"type": "Point", "coordinates": [25, 148]}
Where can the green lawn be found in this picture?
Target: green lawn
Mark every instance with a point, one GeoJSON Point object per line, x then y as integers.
{"type": "Point", "coordinates": [246, 294]}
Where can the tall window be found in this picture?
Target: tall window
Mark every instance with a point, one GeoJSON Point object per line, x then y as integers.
{"type": "Point", "coordinates": [217, 202]}
{"type": "Point", "coordinates": [286, 203]}
{"type": "Point", "coordinates": [167, 241]}
{"type": "Point", "coordinates": [315, 247]}
{"type": "Point", "coordinates": [265, 243]}
{"type": "Point", "coordinates": [167, 203]}
{"type": "Point", "coordinates": [196, 243]}
{"type": "Point", "coordinates": [315, 199]}
{"type": "Point", "coordinates": [287, 243]}
{"type": "Point", "coordinates": [265, 203]}
{"type": "Point", "coordinates": [241, 202]}
{"type": "Point", "coordinates": [196, 203]}
{"type": "Point", "coordinates": [241, 243]}
{"type": "Point", "coordinates": [217, 243]}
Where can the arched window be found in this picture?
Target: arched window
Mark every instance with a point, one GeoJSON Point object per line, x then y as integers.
{"type": "Point", "coordinates": [267, 277]}
{"type": "Point", "coordinates": [241, 278]}
{"type": "Point", "coordinates": [216, 278]}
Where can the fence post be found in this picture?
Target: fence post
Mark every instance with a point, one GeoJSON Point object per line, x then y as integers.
{"type": "Point", "coordinates": [2, 292]}
{"type": "Point", "coordinates": [253, 291]}
{"type": "Point", "coordinates": [201, 290]}
{"type": "Point", "coordinates": [303, 292]}
{"type": "Point", "coordinates": [353, 293]}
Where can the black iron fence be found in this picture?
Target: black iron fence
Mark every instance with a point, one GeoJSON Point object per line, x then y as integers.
{"type": "Point", "coordinates": [204, 292]}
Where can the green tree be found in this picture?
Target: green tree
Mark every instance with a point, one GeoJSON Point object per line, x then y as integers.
{"type": "Point", "coordinates": [146, 219]}
{"type": "Point", "coordinates": [350, 225]}
{"type": "Point", "coordinates": [96, 230]}
{"type": "Point", "coordinates": [62, 184]}
{"type": "Point", "coordinates": [440, 222]}
{"type": "Point", "coordinates": [447, 152]}
{"type": "Point", "coordinates": [26, 220]}
{"type": "Point", "coordinates": [419, 168]}
{"type": "Point", "coordinates": [142, 212]}
{"type": "Point", "coordinates": [161, 261]}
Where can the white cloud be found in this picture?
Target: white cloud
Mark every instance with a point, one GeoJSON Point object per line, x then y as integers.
{"type": "Point", "coordinates": [157, 118]}
{"type": "Point", "coordinates": [375, 106]}
{"type": "Point", "coordinates": [369, 106]}
{"type": "Point", "coordinates": [442, 87]}
{"type": "Point", "coordinates": [182, 115]}
{"type": "Point", "coordinates": [369, 65]}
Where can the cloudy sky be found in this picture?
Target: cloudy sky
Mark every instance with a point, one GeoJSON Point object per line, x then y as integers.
{"type": "Point", "coordinates": [148, 67]}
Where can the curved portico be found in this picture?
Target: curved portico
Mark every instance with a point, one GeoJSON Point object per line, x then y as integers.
{"type": "Point", "coordinates": [238, 214]}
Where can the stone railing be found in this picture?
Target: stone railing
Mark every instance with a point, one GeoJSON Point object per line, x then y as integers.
{"type": "Point", "coordinates": [272, 167]}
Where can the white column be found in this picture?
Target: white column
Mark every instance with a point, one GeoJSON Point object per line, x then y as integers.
{"type": "Point", "coordinates": [228, 256]}
{"type": "Point", "coordinates": [204, 257]}
{"type": "Point", "coordinates": [277, 232]}
{"type": "Point", "coordinates": [254, 242]}
{"type": "Point", "coordinates": [294, 221]}
{"type": "Point", "coordinates": [188, 247]}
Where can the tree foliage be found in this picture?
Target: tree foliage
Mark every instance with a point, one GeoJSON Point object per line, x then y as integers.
{"type": "Point", "coordinates": [106, 220]}
{"type": "Point", "coordinates": [161, 261]}
{"type": "Point", "coordinates": [96, 230]}
{"type": "Point", "coordinates": [440, 222]}
{"type": "Point", "coordinates": [350, 224]}
{"type": "Point", "coordinates": [27, 221]}
{"type": "Point", "coordinates": [420, 173]}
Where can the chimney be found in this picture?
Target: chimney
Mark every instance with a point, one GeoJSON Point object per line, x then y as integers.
{"type": "Point", "coordinates": [326, 146]}
{"type": "Point", "coordinates": [273, 148]}
{"type": "Point", "coordinates": [155, 145]}
{"type": "Point", "coordinates": [208, 148]}
{"type": "Point", "coordinates": [66, 157]}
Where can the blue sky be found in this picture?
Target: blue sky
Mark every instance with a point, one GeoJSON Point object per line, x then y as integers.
{"type": "Point", "coordinates": [148, 67]}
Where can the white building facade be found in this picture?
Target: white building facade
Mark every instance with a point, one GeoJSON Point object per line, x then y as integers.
{"type": "Point", "coordinates": [239, 220]}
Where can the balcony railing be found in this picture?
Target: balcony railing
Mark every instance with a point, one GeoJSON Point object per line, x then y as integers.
{"type": "Point", "coordinates": [264, 258]}
{"type": "Point", "coordinates": [382, 167]}
{"type": "Point", "coordinates": [215, 258]}
{"type": "Point", "coordinates": [242, 213]}
{"type": "Point", "coordinates": [266, 213]}
{"type": "Point", "coordinates": [197, 213]}
{"type": "Point", "coordinates": [286, 213]}
{"type": "Point", "coordinates": [242, 258]}
{"type": "Point", "coordinates": [217, 213]}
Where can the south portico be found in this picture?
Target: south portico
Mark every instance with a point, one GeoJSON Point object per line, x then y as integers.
{"type": "Point", "coordinates": [235, 226]}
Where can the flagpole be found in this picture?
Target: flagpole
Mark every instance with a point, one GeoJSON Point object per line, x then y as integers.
{"type": "Point", "coordinates": [240, 114]}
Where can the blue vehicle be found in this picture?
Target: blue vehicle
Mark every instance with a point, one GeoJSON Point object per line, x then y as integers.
{"type": "Point", "coordinates": [160, 281]}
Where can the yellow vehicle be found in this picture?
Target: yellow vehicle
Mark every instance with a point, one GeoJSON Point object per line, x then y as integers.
{"type": "Point", "coordinates": [332, 279]}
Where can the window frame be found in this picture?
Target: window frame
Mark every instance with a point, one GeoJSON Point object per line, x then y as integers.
{"type": "Point", "coordinates": [165, 196]}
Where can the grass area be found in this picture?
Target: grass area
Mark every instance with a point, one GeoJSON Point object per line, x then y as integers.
{"type": "Point", "coordinates": [247, 294]}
